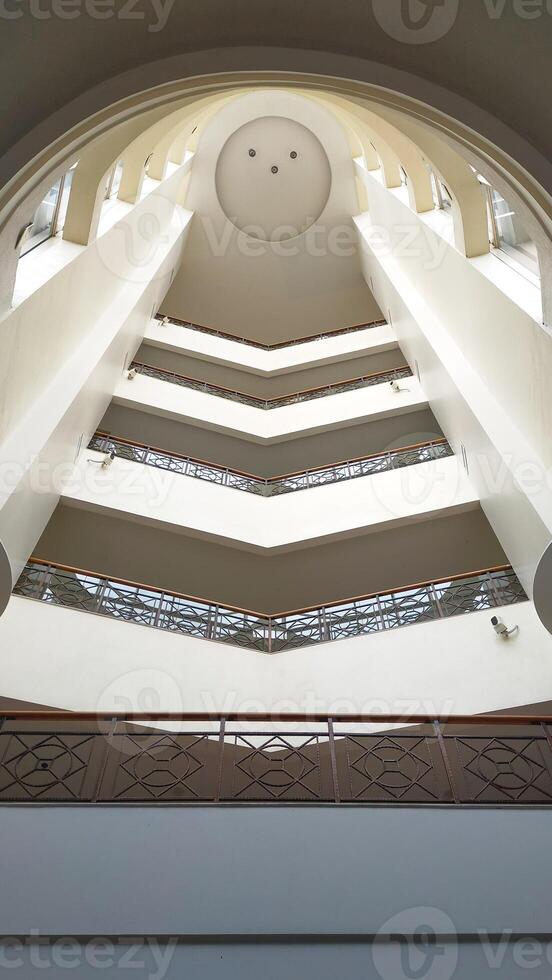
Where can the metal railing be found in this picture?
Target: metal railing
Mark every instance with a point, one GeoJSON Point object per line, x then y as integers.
{"type": "Point", "coordinates": [393, 459]}
{"type": "Point", "coordinates": [325, 335]}
{"type": "Point", "coordinates": [191, 616]}
{"type": "Point", "coordinates": [380, 377]}
{"type": "Point", "coordinates": [85, 757]}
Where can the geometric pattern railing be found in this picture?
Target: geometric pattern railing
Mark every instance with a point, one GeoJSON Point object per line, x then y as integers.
{"type": "Point", "coordinates": [267, 403]}
{"type": "Point", "coordinates": [253, 343]}
{"type": "Point", "coordinates": [136, 603]}
{"type": "Point", "coordinates": [272, 486]}
{"type": "Point", "coordinates": [493, 761]}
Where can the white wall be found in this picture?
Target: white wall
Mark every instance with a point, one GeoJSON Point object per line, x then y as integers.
{"type": "Point", "coordinates": [268, 364]}
{"type": "Point", "coordinates": [456, 665]}
{"type": "Point", "coordinates": [184, 504]}
{"type": "Point", "coordinates": [272, 425]}
{"type": "Point", "coordinates": [62, 350]}
{"type": "Point", "coordinates": [484, 364]}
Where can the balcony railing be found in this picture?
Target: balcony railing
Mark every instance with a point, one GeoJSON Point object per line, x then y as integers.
{"type": "Point", "coordinates": [480, 760]}
{"type": "Point", "coordinates": [309, 394]}
{"type": "Point", "coordinates": [273, 486]}
{"type": "Point", "coordinates": [327, 335]}
{"type": "Point", "coordinates": [133, 602]}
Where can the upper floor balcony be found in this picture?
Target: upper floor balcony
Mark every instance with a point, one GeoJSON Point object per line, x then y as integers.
{"type": "Point", "coordinates": [371, 465]}
{"type": "Point", "coordinates": [368, 398]}
{"type": "Point", "coordinates": [269, 360]}
{"type": "Point", "coordinates": [148, 606]}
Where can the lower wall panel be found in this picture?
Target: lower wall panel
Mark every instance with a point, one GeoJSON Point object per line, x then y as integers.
{"type": "Point", "coordinates": [151, 959]}
{"type": "Point", "coordinates": [275, 872]}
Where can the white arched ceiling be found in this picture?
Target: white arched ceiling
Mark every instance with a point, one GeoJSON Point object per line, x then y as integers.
{"type": "Point", "coordinates": [15, 200]}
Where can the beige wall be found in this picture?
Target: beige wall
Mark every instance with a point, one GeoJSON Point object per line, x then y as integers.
{"type": "Point", "coordinates": [283, 457]}
{"type": "Point", "coordinates": [364, 564]}
{"type": "Point", "coordinates": [283, 384]}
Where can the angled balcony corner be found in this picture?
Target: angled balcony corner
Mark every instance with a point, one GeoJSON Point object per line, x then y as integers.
{"type": "Point", "coordinates": [132, 602]}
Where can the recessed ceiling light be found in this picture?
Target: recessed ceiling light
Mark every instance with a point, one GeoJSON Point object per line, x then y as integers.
{"type": "Point", "coordinates": [252, 153]}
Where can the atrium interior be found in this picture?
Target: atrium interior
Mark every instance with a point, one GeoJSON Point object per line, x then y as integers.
{"type": "Point", "coordinates": [275, 461]}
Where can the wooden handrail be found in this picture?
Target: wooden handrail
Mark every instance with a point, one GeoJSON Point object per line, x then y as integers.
{"type": "Point", "coordinates": [261, 615]}
{"type": "Point", "coordinates": [288, 343]}
{"type": "Point", "coordinates": [274, 717]}
{"type": "Point", "coordinates": [267, 401]}
{"type": "Point", "coordinates": [268, 479]}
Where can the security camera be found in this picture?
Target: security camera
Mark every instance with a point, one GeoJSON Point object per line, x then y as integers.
{"type": "Point", "coordinates": [501, 629]}
{"type": "Point", "coordinates": [396, 387]}
{"type": "Point", "coordinates": [132, 374]}
{"type": "Point", "coordinates": [165, 321]}
{"type": "Point", "coordinates": [106, 461]}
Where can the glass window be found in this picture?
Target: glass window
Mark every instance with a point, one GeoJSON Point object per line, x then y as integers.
{"type": "Point", "coordinates": [441, 194]}
{"type": "Point", "coordinates": [49, 217]}
{"type": "Point", "coordinates": [43, 220]}
{"type": "Point", "coordinates": [509, 234]}
{"type": "Point", "coordinates": [114, 180]}
{"type": "Point", "coordinates": [64, 199]}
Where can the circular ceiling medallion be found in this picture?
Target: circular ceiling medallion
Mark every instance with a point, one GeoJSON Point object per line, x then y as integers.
{"type": "Point", "coordinates": [273, 178]}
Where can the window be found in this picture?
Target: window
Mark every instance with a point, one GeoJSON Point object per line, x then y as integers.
{"type": "Point", "coordinates": [114, 181]}
{"type": "Point", "coordinates": [441, 195]}
{"type": "Point", "coordinates": [49, 216]}
{"type": "Point", "coordinates": [508, 233]}
{"type": "Point", "coordinates": [43, 221]}
{"type": "Point", "coordinates": [64, 198]}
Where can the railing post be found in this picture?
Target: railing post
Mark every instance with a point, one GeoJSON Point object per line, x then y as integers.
{"type": "Point", "coordinates": [222, 730]}
{"type": "Point", "coordinates": [212, 620]}
{"type": "Point", "coordinates": [324, 627]}
{"type": "Point", "coordinates": [102, 583]}
{"type": "Point", "coordinates": [548, 738]}
{"type": "Point", "coordinates": [437, 602]}
{"type": "Point", "coordinates": [269, 635]}
{"type": "Point", "coordinates": [157, 616]}
{"type": "Point", "coordinates": [493, 590]}
{"type": "Point", "coordinates": [446, 762]}
{"type": "Point", "coordinates": [44, 581]}
{"type": "Point", "coordinates": [381, 618]}
{"type": "Point", "coordinates": [102, 770]}
{"type": "Point", "coordinates": [333, 759]}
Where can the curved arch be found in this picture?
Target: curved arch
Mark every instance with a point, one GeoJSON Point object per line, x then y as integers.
{"type": "Point", "coordinates": [157, 142]}
{"type": "Point", "coordinates": [469, 209]}
{"type": "Point", "coordinates": [405, 151]}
